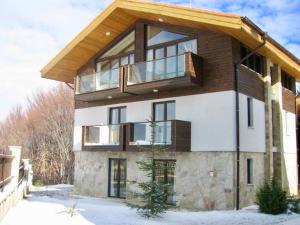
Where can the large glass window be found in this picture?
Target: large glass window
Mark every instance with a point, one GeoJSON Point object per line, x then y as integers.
{"type": "Point", "coordinates": [187, 46]}
{"type": "Point", "coordinates": [123, 46]}
{"type": "Point", "coordinates": [117, 115]}
{"type": "Point", "coordinates": [117, 178]}
{"type": "Point", "coordinates": [163, 111]}
{"type": "Point", "coordinates": [156, 35]}
{"type": "Point", "coordinates": [164, 173]}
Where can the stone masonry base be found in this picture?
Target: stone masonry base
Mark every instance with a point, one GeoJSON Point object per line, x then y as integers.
{"type": "Point", "coordinates": [204, 180]}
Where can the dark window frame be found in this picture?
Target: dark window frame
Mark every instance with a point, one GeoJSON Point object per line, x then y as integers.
{"type": "Point", "coordinates": [165, 165]}
{"type": "Point", "coordinates": [250, 175]}
{"type": "Point", "coordinates": [256, 60]}
{"type": "Point", "coordinates": [118, 178]}
{"type": "Point", "coordinates": [287, 81]}
{"type": "Point", "coordinates": [165, 109]}
{"type": "Point", "coordinates": [250, 119]}
{"type": "Point", "coordinates": [119, 114]}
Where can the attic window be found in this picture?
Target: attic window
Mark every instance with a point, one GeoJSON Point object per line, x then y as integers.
{"type": "Point", "coordinates": [123, 46]}
{"type": "Point", "coordinates": [156, 35]}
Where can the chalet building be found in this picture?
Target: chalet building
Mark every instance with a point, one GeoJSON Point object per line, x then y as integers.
{"type": "Point", "coordinates": [222, 93]}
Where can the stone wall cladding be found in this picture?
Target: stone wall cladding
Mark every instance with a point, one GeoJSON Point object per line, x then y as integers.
{"type": "Point", "coordinates": [248, 191]}
{"type": "Point", "coordinates": [204, 180]}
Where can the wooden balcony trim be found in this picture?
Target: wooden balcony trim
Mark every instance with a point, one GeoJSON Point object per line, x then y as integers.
{"type": "Point", "coordinates": [179, 143]}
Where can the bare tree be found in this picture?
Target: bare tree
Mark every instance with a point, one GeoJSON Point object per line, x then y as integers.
{"type": "Point", "coordinates": [45, 131]}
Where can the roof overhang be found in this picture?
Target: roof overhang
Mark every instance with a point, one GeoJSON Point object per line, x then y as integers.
{"type": "Point", "coordinates": [121, 14]}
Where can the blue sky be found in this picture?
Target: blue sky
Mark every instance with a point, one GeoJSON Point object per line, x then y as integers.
{"type": "Point", "coordinates": [33, 31]}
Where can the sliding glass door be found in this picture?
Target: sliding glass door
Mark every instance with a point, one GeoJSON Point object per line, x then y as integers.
{"type": "Point", "coordinates": [117, 178]}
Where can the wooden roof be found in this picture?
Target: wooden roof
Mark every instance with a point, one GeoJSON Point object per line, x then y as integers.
{"type": "Point", "coordinates": [120, 14]}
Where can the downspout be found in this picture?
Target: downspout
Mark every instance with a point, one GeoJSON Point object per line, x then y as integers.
{"type": "Point", "coordinates": [237, 117]}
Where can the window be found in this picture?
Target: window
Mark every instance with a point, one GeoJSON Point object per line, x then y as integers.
{"type": "Point", "coordinates": [254, 62]}
{"type": "Point", "coordinates": [124, 46]}
{"type": "Point", "coordinates": [164, 173]}
{"type": "Point", "coordinates": [117, 115]}
{"type": "Point", "coordinates": [156, 35]}
{"type": "Point", "coordinates": [249, 171]}
{"type": "Point", "coordinates": [117, 178]}
{"type": "Point", "coordinates": [250, 111]}
{"type": "Point", "coordinates": [287, 81]}
{"type": "Point", "coordinates": [107, 75]}
{"type": "Point", "coordinates": [163, 111]}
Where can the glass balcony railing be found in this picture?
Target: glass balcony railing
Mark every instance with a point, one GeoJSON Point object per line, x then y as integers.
{"type": "Point", "coordinates": [142, 133]}
{"type": "Point", "coordinates": [98, 81]}
{"type": "Point", "coordinates": [158, 69]}
{"type": "Point", "coordinates": [102, 135]}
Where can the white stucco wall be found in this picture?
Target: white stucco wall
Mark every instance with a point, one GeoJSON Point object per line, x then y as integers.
{"type": "Point", "coordinates": [212, 117]}
{"type": "Point", "coordinates": [252, 139]}
{"type": "Point", "coordinates": [290, 150]}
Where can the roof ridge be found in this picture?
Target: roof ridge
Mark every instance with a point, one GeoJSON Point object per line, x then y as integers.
{"type": "Point", "coordinates": [196, 9]}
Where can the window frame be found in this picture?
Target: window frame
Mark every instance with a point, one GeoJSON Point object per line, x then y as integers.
{"type": "Point", "coordinates": [250, 115]}
{"type": "Point", "coordinates": [249, 171]}
{"type": "Point", "coordinates": [165, 110]}
{"type": "Point", "coordinates": [255, 58]}
{"type": "Point", "coordinates": [119, 114]}
{"type": "Point", "coordinates": [165, 171]}
{"type": "Point", "coordinates": [118, 177]}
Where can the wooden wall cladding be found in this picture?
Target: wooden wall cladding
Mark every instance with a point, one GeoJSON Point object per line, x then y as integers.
{"type": "Point", "coordinates": [288, 100]}
{"type": "Point", "coordinates": [251, 83]}
{"type": "Point", "coordinates": [217, 70]}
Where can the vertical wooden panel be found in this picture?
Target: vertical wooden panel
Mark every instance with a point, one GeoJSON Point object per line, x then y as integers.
{"type": "Point", "coordinates": [140, 43]}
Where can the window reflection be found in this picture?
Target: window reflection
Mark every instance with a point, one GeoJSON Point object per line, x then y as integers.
{"type": "Point", "coordinates": [156, 35]}
{"type": "Point", "coordinates": [125, 45]}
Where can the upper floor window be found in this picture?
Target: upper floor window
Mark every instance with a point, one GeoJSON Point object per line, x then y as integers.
{"type": "Point", "coordinates": [124, 46]}
{"type": "Point", "coordinates": [250, 112]}
{"type": "Point", "coordinates": [287, 81]}
{"type": "Point", "coordinates": [157, 35]}
{"type": "Point", "coordinates": [254, 62]}
{"type": "Point", "coordinates": [163, 111]}
{"type": "Point", "coordinates": [117, 115]}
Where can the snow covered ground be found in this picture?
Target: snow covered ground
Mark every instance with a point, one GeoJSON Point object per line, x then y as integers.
{"type": "Point", "coordinates": [52, 205]}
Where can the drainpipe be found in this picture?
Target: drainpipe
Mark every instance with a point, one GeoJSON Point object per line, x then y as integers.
{"type": "Point", "coordinates": [237, 117]}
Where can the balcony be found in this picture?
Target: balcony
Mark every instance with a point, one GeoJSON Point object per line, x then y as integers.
{"type": "Point", "coordinates": [103, 137]}
{"type": "Point", "coordinates": [174, 135]}
{"type": "Point", "coordinates": [140, 78]}
{"type": "Point", "coordinates": [164, 74]}
{"type": "Point", "coordinates": [100, 85]}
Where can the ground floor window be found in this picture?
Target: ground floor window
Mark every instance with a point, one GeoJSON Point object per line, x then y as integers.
{"type": "Point", "coordinates": [249, 171]}
{"type": "Point", "coordinates": [117, 178]}
{"type": "Point", "coordinates": [165, 174]}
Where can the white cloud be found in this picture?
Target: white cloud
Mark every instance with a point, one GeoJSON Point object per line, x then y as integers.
{"type": "Point", "coordinates": [31, 33]}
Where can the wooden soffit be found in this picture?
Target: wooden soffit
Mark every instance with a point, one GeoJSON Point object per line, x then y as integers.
{"type": "Point", "coordinates": [121, 14]}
